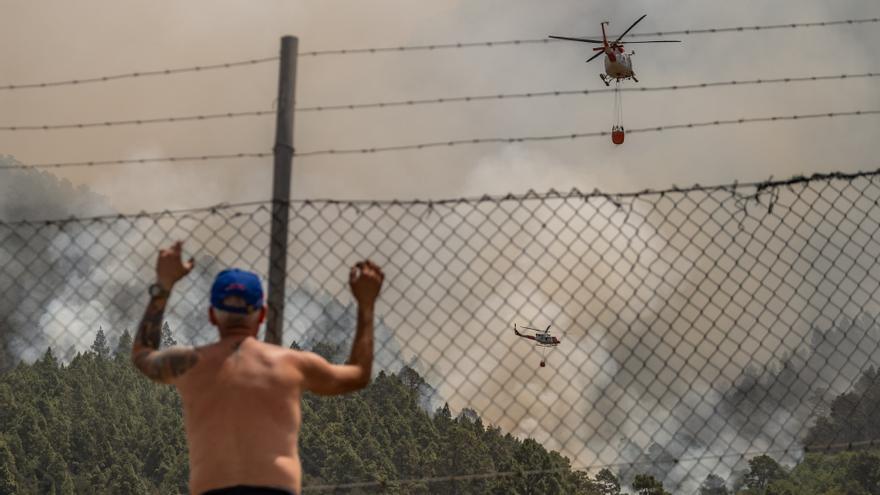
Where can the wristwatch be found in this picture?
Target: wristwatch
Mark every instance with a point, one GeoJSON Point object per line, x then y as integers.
{"type": "Point", "coordinates": [157, 290]}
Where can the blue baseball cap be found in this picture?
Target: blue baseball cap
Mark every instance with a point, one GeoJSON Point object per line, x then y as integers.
{"type": "Point", "coordinates": [237, 283]}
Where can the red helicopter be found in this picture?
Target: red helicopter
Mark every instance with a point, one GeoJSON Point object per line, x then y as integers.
{"type": "Point", "coordinates": [542, 339]}
{"type": "Point", "coordinates": [618, 66]}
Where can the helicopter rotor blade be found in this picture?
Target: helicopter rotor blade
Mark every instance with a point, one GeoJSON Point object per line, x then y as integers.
{"type": "Point", "coordinates": [630, 28]}
{"type": "Point", "coordinates": [596, 55]}
{"type": "Point", "coordinates": [530, 328]}
{"type": "Point", "coordinates": [584, 40]}
{"type": "Point", "coordinates": [652, 41]}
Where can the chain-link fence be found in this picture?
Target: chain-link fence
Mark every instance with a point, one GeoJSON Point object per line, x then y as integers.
{"type": "Point", "coordinates": [699, 328]}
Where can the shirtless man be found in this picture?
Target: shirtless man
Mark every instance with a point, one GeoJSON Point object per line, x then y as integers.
{"type": "Point", "coordinates": [241, 396]}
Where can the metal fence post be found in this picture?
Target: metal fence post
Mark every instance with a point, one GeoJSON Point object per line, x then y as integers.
{"type": "Point", "coordinates": [283, 151]}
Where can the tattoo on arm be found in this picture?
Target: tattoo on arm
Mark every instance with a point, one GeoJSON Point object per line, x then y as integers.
{"type": "Point", "coordinates": [161, 366]}
{"type": "Point", "coordinates": [149, 331]}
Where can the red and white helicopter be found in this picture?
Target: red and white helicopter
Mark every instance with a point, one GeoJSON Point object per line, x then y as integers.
{"type": "Point", "coordinates": [542, 339]}
{"type": "Point", "coordinates": [618, 64]}
{"type": "Point", "coordinates": [618, 67]}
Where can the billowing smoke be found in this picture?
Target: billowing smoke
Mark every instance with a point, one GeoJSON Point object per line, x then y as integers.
{"type": "Point", "coordinates": [64, 280]}
{"type": "Point", "coordinates": [33, 271]}
{"type": "Point", "coordinates": [31, 194]}
{"type": "Point", "coordinates": [767, 409]}
{"type": "Point", "coordinates": [320, 322]}
{"type": "Point", "coordinates": [802, 330]}
{"type": "Point", "coordinates": [696, 327]}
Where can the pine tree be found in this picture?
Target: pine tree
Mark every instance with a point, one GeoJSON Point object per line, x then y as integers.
{"type": "Point", "coordinates": [49, 360]}
{"type": "Point", "coordinates": [123, 347]}
{"type": "Point", "coordinates": [99, 346]}
{"type": "Point", "coordinates": [864, 469]}
{"type": "Point", "coordinates": [607, 483]}
{"type": "Point", "coordinates": [327, 350]}
{"type": "Point", "coordinates": [167, 337]}
{"type": "Point", "coordinates": [8, 481]}
{"type": "Point", "coordinates": [645, 484]}
{"type": "Point", "coordinates": [763, 470]}
{"type": "Point", "coordinates": [713, 485]}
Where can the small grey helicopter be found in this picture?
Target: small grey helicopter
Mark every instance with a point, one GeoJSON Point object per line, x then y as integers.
{"type": "Point", "coordinates": [542, 339]}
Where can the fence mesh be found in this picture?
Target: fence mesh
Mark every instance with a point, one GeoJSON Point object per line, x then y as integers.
{"type": "Point", "coordinates": [698, 327]}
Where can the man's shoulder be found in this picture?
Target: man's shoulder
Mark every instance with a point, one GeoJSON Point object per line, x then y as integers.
{"type": "Point", "coordinates": [299, 359]}
{"type": "Point", "coordinates": [268, 346]}
{"type": "Point", "coordinates": [274, 351]}
{"type": "Point", "coordinates": [247, 346]}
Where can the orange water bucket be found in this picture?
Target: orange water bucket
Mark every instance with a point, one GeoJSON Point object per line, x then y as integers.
{"type": "Point", "coordinates": [617, 135]}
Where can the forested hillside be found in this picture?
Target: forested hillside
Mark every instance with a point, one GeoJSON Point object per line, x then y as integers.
{"type": "Point", "coordinates": [94, 425]}
{"type": "Point", "coordinates": [841, 456]}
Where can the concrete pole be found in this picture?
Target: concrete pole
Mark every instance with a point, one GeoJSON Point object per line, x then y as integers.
{"type": "Point", "coordinates": [283, 151]}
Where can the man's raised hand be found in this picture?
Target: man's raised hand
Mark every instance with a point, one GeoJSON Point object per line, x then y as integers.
{"type": "Point", "coordinates": [170, 267]}
{"type": "Point", "coordinates": [366, 279]}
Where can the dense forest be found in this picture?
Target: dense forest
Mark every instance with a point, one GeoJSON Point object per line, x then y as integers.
{"type": "Point", "coordinates": [94, 425]}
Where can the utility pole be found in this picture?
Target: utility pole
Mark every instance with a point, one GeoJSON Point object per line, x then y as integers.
{"type": "Point", "coordinates": [283, 152]}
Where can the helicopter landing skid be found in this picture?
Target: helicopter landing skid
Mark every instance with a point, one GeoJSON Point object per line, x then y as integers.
{"type": "Point", "coordinates": [605, 79]}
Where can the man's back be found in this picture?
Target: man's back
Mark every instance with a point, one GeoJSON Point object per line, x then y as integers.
{"type": "Point", "coordinates": [241, 397]}
{"type": "Point", "coordinates": [241, 405]}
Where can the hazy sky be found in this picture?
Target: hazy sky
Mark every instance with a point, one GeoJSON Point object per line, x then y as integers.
{"type": "Point", "coordinates": [58, 40]}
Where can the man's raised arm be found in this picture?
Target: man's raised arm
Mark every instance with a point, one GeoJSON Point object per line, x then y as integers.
{"type": "Point", "coordinates": [167, 364]}
{"type": "Point", "coordinates": [324, 378]}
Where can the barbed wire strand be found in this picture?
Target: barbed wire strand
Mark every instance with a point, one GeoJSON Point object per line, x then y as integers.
{"type": "Point", "coordinates": [130, 161]}
{"type": "Point", "coordinates": [457, 142]}
{"type": "Point", "coordinates": [559, 137]}
{"type": "Point", "coordinates": [215, 208]}
{"type": "Point", "coordinates": [575, 92]}
{"type": "Point", "coordinates": [445, 100]}
{"type": "Point", "coordinates": [529, 195]}
{"type": "Point", "coordinates": [410, 48]}
{"type": "Point", "coordinates": [500, 474]}
{"type": "Point", "coordinates": [114, 123]}
{"type": "Point", "coordinates": [131, 75]}
{"type": "Point", "coordinates": [542, 41]}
